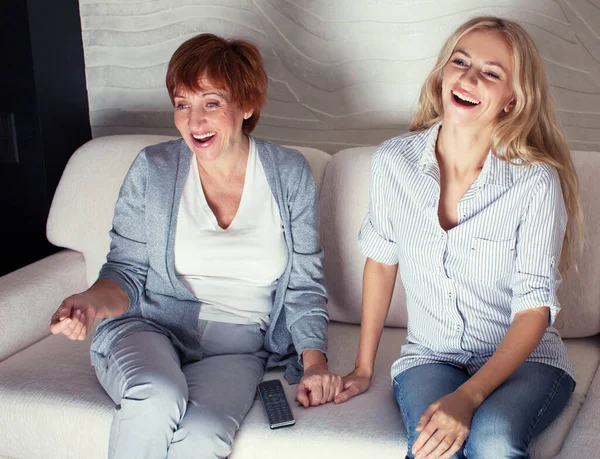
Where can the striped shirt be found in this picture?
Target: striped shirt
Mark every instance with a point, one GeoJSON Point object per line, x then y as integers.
{"type": "Point", "coordinates": [464, 286]}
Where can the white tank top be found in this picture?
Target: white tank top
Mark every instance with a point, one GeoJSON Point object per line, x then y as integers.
{"type": "Point", "coordinates": [232, 271]}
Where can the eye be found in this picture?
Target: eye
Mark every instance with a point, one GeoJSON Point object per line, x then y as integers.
{"type": "Point", "coordinates": [459, 61]}
{"type": "Point", "coordinates": [181, 106]}
{"type": "Point", "coordinates": [212, 104]}
{"type": "Point", "coordinates": [492, 75]}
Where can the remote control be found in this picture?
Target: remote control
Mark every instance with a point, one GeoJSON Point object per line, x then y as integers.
{"type": "Point", "coordinates": [276, 405]}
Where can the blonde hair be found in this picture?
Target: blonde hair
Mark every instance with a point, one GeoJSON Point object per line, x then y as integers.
{"type": "Point", "coordinates": [530, 132]}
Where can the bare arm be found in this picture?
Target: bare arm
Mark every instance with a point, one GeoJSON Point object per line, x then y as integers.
{"type": "Point", "coordinates": [520, 340]}
{"type": "Point", "coordinates": [378, 286]}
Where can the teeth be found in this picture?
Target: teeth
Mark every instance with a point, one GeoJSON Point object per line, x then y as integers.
{"type": "Point", "coordinates": [463, 97]}
{"type": "Point", "coordinates": [203, 136]}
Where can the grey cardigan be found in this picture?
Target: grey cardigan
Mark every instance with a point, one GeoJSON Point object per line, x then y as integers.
{"type": "Point", "coordinates": [141, 258]}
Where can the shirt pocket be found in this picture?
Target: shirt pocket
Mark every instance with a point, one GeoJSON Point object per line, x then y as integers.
{"type": "Point", "coordinates": [490, 261]}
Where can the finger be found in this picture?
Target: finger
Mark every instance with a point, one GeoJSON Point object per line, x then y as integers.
{"type": "Point", "coordinates": [60, 325]}
{"type": "Point", "coordinates": [444, 445]}
{"type": "Point", "coordinates": [424, 436]}
{"type": "Point", "coordinates": [431, 444]}
{"type": "Point", "coordinates": [330, 385]}
{"type": "Point", "coordinates": [69, 327]}
{"type": "Point", "coordinates": [339, 387]}
{"type": "Point", "coordinates": [426, 416]}
{"type": "Point", "coordinates": [454, 448]}
{"type": "Point", "coordinates": [83, 332]}
{"type": "Point", "coordinates": [347, 394]}
{"type": "Point", "coordinates": [302, 395]}
{"type": "Point", "coordinates": [58, 318]}
{"type": "Point", "coordinates": [69, 331]}
{"type": "Point", "coordinates": [78, 326]}
{"type": "Point", "coordinates": [336, 387]}
{"type": "Point", "coordinates": [316, 394]}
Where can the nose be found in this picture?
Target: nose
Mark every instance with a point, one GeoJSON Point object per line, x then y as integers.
{"type": "Point", "coordinates": [470, 76]}
{"type": "Point", "coordinates": [197, 117]}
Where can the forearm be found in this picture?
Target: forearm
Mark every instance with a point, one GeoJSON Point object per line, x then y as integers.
{"type": "Point", "coordinates": [522, 337]}
{"type": "Point", "coordinates": [378, 286]}
{"type": "Point", "coordinates": [110, 299]}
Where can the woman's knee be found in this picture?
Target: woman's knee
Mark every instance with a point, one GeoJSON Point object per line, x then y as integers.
{"type": "Point", "coordinates": [203, 434]}
{"type": "Point", "coordinates": [158, 396]}
{"type": "Point", "coordinates": [496, 437]}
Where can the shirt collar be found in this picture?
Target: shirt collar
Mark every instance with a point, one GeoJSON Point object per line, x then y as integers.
{"type": "Point", "coordinates": [495, 171]}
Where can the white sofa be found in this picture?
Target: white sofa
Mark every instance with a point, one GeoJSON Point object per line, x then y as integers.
{"type": "Point", "coordinates": [51, 405]}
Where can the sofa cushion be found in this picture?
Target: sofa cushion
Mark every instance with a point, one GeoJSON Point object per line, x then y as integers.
{"type": "Point", "coordinates": [82, 209]}
{"type": "Point", "coordinates": [344, 205]}
{"type": "Point", "coordinates": [54, 407]}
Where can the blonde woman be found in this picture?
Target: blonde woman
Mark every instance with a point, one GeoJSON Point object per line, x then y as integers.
{"type": "Point", "coordinates": [477, 207]}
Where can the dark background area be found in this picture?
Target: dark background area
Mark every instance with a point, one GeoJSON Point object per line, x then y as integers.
{"type": "Point", "coordinates": [43, 113]}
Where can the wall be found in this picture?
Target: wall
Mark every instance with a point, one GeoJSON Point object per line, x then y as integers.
{"type": "Point", "coordinates": [42, 89]}
{"type": "Point", "coordinates": [341, 73]}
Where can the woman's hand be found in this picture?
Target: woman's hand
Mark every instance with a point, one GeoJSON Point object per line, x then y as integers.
{"type": "Point", "coordinates": [445, 426]}
{"type": "Point", "coordinates": [76, 314]}
{"type": "Point", "coordinates": [318, 385]}
{"type": "Point", "coordinates": [354, 383]}
{"type": "Point", "coordinates": [74, 317]}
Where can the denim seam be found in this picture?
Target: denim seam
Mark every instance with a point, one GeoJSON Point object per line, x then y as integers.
{"type": "Point", "coordinates": [403, 411]}
{"type": "Point", "coordinates": [549, 399]}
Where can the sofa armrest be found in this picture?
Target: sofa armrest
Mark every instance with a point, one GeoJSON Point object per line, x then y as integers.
{"type": "Point", "coordinates": [583, 439]}
{"type": "Point", "coordinates": [30, 295]}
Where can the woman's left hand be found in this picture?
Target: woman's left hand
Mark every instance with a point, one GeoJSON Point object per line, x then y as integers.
{"type": "Point", "coordinates": [318, 386]}
{"type": "Point", "coordinates": [444, 427]}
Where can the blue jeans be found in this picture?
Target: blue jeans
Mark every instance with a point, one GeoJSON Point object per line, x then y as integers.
{"type": "Point", "coordinates": [503, 426]}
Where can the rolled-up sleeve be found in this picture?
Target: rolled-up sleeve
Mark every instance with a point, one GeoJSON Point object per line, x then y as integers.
{"type": "Point", "coordinates": [539, 244]}
{"type": "Point", "coordinates": [376, 237]}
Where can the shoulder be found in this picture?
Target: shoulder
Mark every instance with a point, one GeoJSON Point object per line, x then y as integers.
{"type": "Point", "coordinates": [157, 158]}
{"type": "Point", "coordinates": [165, 151]}
{"type": "Point", "coordinates": [405, 148]}
{"type": "Point", "coordinates": [536, 176]}
{"type": "Point", "coordinates": [286, 160]}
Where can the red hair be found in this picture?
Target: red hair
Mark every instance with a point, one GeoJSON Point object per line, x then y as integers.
{"type": "Point", "coordinates": [233, 65]}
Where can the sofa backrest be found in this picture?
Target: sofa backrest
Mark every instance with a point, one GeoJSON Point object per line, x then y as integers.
{"type": "Point", "coordinates": [344, 204]}
{"type": "Point", "coordinates": [81, 213]}
{"type": "Point", "coordinates": [81, 217]}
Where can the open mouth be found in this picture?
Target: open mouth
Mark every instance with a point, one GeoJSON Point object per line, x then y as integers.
{"type": "Point", "coordinates": [464, 100]}
{"type": "Point", "coordinates": [203, 138]}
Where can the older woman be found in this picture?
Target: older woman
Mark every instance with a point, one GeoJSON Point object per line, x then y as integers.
{"type": "Point", "coordinates": [214, 269]}
{"type": "Point", "coordinates": [477, 210]}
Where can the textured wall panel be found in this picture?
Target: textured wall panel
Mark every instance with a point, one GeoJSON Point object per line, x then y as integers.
{"type": "Point", "coordinates": [341, 72]}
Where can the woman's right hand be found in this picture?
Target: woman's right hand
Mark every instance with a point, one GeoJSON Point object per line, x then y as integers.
{"type": "Point", "coordinates": [74, 317]}
{"type": "Point", "coordinates": [353, 384]}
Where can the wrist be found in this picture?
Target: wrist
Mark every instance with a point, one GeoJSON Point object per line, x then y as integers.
{"type": "Point", "coordinates": [312, 357]}
{"type": "Point", "coordinates": [365, 370]}
{"type": "Point", "coordinates": [475, 397]}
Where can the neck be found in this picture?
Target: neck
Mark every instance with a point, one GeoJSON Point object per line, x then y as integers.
{"type": "Point", "coordinates": [230, 163]}
{"type": "Point", "coordinates": [462, 148]}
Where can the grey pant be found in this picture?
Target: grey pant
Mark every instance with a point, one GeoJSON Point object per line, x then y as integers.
{"type": "Point", "coordinates": [165, 409]}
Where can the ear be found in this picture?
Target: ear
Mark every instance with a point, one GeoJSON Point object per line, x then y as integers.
{"type": "Point", "coordinates": [509, 106]}
{"type": "Point", "coordinates": [248, 114]}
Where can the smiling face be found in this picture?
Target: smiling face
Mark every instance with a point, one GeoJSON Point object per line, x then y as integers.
{"type": "Point", "coordinates": [209, 122]}
{"type": "Point", "coordinates": [477, 80]}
